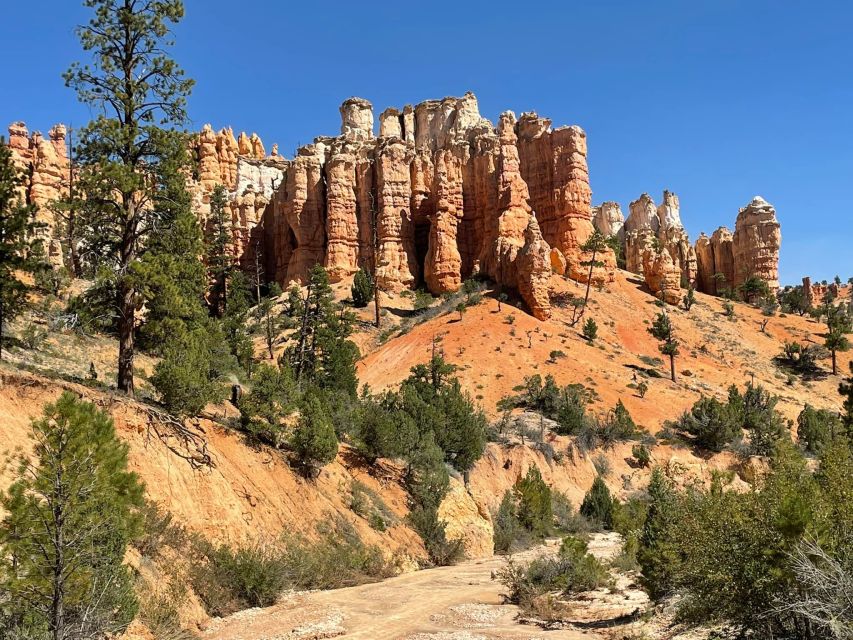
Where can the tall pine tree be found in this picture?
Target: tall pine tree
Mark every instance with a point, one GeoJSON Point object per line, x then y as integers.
{"type": "Point", "coordinates": [129, 151]}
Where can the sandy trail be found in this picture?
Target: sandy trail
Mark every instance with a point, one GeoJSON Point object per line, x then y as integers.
{"type": "Point", "coordinates": [461, 602]}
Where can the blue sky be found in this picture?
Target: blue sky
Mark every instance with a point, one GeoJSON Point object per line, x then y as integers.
{"type": "Point", "coordinates": [717, 100]}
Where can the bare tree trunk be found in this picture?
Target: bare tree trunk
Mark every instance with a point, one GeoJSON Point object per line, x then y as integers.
{"type": "Point", "coordinates": [834, 364]}
{"type": "Point", "coordinates": [672, 367]}
{"type": "Point", "coordinates": [126, 301]}
{"type": "Point", "coordinates": [126, 321]}
{"type": "Point", "coordinates": [2, 326]}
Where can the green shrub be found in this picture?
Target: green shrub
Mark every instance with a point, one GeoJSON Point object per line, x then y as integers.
{"type": "Point", "coordinates": [590, 329]}
{"type": "Point", "coordinates": [362, 288]}
{"type": "Point", "coordinates": [534, 503]}
{"type": "Point", "coordinates": [642, 455]}
{"type": "Point", "coordinates": [712, 424]}
{"type": "Point", "coordinates": [597, 504]}
{"type": "Point", "coordinates": [231, 579]}
{"type": "Point", "coordinates": [571, 570]}
{"type": "Point", "coordinates": [816, 428]}
{"type": "Point", "coordinates": [507, 528]}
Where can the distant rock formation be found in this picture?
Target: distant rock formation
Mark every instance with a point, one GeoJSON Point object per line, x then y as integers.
{"type": "Point", "coordinates": [440, 195]}
{"type": "Point", "coordinates": [756, 243]}
{"type": "Point", "coordinates": [44, 165]}
{"type": "Point", "coordinates": [249, 176]}
{"type": "Point", "coordinates": [659, 229]}
{"type": "Point", "coordinates": [608, 219]}
{"type": "Point", "coordinates": [753, 250]}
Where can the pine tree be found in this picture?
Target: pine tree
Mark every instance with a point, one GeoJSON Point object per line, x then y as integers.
{"type": "Point", "coordinates": [362, 288]}
{"type": "Point", "coordinates": [838, 324]}
{"type": "Point", "coordinates": [70, 516]}
{"type": "Point", "coordinates": [662, 330]}
{"type": "Point", "coordinates": [590, 329]}
{"type": "Point", "coordinates": [18, 249]}
{"type": "Point", "coordinates": [272, 398]}
{"type": "Point", "coordinates": [323, 355]}
{"type": "Point", "coordinates": [658, 554]}
{"type": "Point", "coordinates": [597, 504]}
{"type": "Point", "coordinates": [846, 390]}
{"type": "Point", "coordinates": [314, 439]}
{"type": "Point", "coordinates": [218, 257]}
{"type": "Point", "coordinates": [689, 299]}
{"type": "Point", "coordinates": [131, 151]}
{"type": "Point", "coordinates": [170, 277]}
{"type": "Point", "coordinates": [235, 321]}
{"type": "Point", "coordinates": [595, 245]}
{"type": "Point", "coordinates": [270, 322]}
{"type": "Point", "coordinates": [534, 503]}
{"type": "Point", "coordinates": [193, 369]}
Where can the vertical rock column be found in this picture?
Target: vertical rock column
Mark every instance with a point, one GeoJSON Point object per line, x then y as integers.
{"type": "Point", "coordinates": [396, 263]}
{"type": "Point", "coordinates": [342, 225]}
{"type": "Point", "coordinates": [756, 243]}
{"type": "Point", "coordinates": [304, 211]}
{"type": "Point", "coordinates": [443, 265]}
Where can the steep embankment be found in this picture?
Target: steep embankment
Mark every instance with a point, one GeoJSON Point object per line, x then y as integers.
{"type": "Point", "coordinates": [246, 493]}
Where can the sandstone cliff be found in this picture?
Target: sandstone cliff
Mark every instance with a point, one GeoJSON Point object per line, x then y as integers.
{"type": "Point", "coordinates": [440, 195]}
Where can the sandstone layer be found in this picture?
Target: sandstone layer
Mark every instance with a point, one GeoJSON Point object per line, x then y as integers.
{"type": "Point", "coordinates": [439, 196]}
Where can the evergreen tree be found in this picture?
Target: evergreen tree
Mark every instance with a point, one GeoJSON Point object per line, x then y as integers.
{"type": "Point", "coordinates": [323, 355]}
{"type": "Point", "coordinates": [754, 288]}
{"type": "Point", "coordinates": [597, 504]}
{"type": "Point", "coordinates": [817, 428]}
{"type": "Point", "coordinates": [170, 278]}
{"type": "Point", "coordinates": [663, 331]}
{"type": "Point", "coordinates": [193, 369]}
{"type": "Point", "coordinates": [534, 503]}
{"type": "Point", "coordinates": [590, 329]}
{"type": "Point", "coordinates": [17, 248]}
{"type": "Point", "coordinates": [70, 515]}
{"type": "Point", "coordinates": [658, 554]}
{"type": "Point", "coordinates": [362, 288]}
{"type": "Point", "coordinates": [218, 257]}
{"type": "Point", "coordinates": [235, 321]}
{"type": "Point", "coordinates": [712, 424]}
{"type": "Point", "coordinates": [314, 439]}
{"type": "Point", "coordinates": [270, 323]}
{"type": "Point", "coordinates": [846, 390]}
{"type": "Point", "coordinates": [272, 398]}
{"type": "Point", "coordinates": [506, 524]}
{"type": "Point", "coordinates": [838, 324]}
{"type": "Point", "coordinates": [593, 247]}
{"type": "Point", "coordinates": [689, 299]}
{"type": "Point", "coordinates": [130, 153]}
{"type": "Point", "coordinates": [794, 300]}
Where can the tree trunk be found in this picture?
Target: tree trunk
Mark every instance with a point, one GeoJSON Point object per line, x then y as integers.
{"type": "Point", "coordinates": [376, 303]}
{"type": "Point", "coordinates": [126, 322]}
{"type": "Point", "coordinates": [2, 319]}
{"type": "Point", "coordinates": [834, 364]}
{"type": "Point", "coordinates": [672, 367]}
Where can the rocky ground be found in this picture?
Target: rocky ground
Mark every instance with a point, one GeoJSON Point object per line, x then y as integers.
{"type": "Point", "coordinates": [462, 602]}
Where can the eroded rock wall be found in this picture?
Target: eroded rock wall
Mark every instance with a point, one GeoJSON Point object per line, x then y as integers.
{"type": "Point", "coordinates": [440, 195]}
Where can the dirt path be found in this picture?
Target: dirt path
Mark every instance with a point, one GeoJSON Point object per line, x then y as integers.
{"type": "Point", "coordinates": [461, 602]}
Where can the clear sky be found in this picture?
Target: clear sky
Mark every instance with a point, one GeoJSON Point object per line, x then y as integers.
{"type": "Point", "coordinates": [716, 100]}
